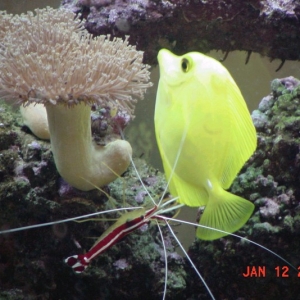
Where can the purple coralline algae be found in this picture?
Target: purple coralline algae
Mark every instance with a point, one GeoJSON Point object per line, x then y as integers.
{"type": "Point", "coordinates": [182, 26]}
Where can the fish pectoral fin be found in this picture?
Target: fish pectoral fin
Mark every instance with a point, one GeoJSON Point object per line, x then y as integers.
{"type": "Point", "coordinates": [226, 212]}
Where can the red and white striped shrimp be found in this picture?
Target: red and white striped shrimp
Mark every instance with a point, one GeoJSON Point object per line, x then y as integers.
{"type": "Point", "coordinates": [121, 264]}
{"type": "Point", "coordinates": [126, 224]}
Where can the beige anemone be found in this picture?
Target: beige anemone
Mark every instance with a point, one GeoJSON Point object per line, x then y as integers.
{"type": "Point", "coordinates": [48, 58]}
{"type": "Point", "coordinates": [5, 23]}
{"type": "Point", "coordinates": [34, 115]}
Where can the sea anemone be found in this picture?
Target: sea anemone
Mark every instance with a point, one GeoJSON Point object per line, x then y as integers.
{"type": "Point", "coordinates": [48, 58]}
{"type": "Point", "coordinates": [5, 23]}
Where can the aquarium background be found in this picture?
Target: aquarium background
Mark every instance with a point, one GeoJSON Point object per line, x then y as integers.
{"type": "Point", "coordinates": [253, 79]}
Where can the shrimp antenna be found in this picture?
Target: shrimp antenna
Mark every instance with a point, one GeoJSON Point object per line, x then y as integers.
{"type": "Point", "coordinates": [189, 259]}
{"type": "Point", "coordinates": [166, 261]}
{"type": "Point", "coordinates": [135, 169]}
{"type": "Point", "coordinates": [232, 234]}
{"type": "Point", "coordinates": [141, 181]}
{"type": "Point", "coordinates": [66, 220]}
{"type": "Point", "coordinates": [183, 137]}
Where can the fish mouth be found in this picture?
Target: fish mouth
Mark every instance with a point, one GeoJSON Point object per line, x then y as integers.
{"type": "Point", "coordinates": [168, 66]}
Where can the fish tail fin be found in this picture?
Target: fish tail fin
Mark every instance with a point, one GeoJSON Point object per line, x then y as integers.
{"type": "Point", "coordinates": [226, 212]}
{"type": "Point", "coordinates": [77, 262]}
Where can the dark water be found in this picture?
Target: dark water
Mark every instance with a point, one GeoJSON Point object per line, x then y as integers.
{"type": "Point", "coordinates": [22, 6]}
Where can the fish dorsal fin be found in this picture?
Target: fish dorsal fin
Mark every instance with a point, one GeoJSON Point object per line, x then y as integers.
{"type": "Point", "coordinates": [241, 132]}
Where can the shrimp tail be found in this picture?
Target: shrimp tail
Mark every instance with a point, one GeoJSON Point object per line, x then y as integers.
{"type": "Point", "coordinates": [77, 262]}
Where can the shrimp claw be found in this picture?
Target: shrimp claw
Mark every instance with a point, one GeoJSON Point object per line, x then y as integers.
{"type": "Point", "coordinates": [77, 262]}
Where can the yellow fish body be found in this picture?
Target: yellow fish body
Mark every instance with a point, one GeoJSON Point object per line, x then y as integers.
{"type": "Point", "coordinates": [205, 135]}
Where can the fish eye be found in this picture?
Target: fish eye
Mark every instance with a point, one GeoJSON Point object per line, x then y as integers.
{"type": "Point", "coordinates": [185, 65]}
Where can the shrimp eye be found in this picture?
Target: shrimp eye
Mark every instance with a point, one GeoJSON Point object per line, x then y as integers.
{"type": "Point", "coordinates": [185, 65]}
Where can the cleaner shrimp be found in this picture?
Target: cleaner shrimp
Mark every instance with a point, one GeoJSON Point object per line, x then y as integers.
{"type": "Point", "coordinates": [32, 260]}
{"type": "Point", "coordinates": [145, 260]}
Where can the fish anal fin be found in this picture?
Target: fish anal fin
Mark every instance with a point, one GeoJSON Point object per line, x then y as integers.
{"type": "Point", "coordinates": [226, 212]}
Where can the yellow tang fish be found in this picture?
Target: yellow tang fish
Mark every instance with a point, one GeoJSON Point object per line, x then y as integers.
{"type": "Point", "coordinates": [205, 135]}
